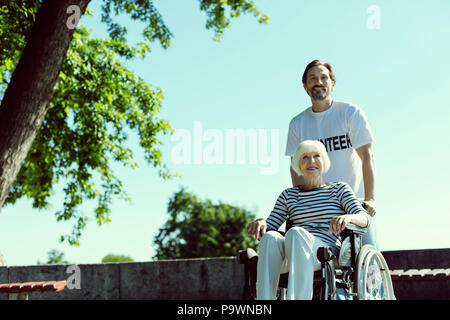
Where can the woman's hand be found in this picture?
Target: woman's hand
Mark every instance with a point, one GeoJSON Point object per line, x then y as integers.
{"type": "Point", "coordinates": [257, 228]}
{"type": "Point", "coordinates": [339, 223]}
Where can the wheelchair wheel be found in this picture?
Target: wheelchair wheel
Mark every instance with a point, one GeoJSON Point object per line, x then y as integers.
{"type": "Point", "coordinates": [373, 277]}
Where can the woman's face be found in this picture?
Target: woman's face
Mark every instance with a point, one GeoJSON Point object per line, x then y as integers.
{"type": "Point", "coordinates": [311, 164]}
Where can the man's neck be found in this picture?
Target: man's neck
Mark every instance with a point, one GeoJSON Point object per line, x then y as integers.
{"type": "Point", "coordinates": [321, 105]}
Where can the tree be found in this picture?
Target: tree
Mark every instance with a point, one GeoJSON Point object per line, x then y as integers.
{"type": "Point", "coordinates": [55, 257]}
{"type": "Point", "coordinates": [202, 229]}
{"type": "Point", "coordinates": [68, 100]}
{"type": "Point", "coordinates": [116, 258]}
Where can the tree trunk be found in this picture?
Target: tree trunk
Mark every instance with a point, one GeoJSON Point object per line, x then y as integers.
{"type": "Point", "coordinates": [27, 98]}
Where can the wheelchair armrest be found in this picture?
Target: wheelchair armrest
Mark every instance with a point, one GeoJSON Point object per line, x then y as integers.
{"type": "Point", "coordinates": [244, 256]}
{"type": "Point", "coordinates": [353, 229]}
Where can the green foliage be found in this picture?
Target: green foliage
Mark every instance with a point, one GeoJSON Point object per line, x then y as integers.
{"type": "Point", "coordinates": [202, 229]}
{"type": "Point", "coordinates": [55, 257]}
{"type": "Point", "coordinates": [116, 258]}
{"type": "Point", "coordinates": [218, 14]}
{"type": "Point", "coordinates": [97, 103]}
{"type": "Point", "coordinates": [219, 11]}
{"type": "Point", "coordinates": [143, 11]}
{"type": "Point", "coordinates": [16, 19]}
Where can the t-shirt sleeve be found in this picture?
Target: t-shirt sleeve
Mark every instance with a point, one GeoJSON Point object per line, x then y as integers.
{"type": "Point", "coordinates": [360, 130]}
{"type": "Point", "coordinates": [293, 139]}
{"type": "Point", "coordinates": [279, 213]}
{"type": "Point", "coordinates": [349, 201]}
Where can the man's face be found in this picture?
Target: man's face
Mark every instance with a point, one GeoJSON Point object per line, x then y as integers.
{"type": "Point", "coordinates": [318, 83]}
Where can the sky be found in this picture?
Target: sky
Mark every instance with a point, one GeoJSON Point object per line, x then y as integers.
{"type": "Point", "coordinates": [390, 59]}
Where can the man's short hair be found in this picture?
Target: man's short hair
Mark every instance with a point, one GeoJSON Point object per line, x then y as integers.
{"type": "Point", "coordinates": [308, 146]}
{"type": "Point", "coordinates": [316, 63]}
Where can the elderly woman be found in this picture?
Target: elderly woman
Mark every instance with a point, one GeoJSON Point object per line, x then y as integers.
{"type": "Point", "coordinates": [318, 210]}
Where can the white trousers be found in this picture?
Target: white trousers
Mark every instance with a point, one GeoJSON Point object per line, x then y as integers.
{"type": "Point", "coordinates": [297, 254]}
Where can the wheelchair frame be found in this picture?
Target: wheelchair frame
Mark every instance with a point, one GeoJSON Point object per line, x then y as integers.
{"type": "Point", "coordinates": [352, 279]}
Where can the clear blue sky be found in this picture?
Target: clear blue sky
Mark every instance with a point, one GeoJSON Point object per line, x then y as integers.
{"type": "Point", "coordinates": [251, 80]}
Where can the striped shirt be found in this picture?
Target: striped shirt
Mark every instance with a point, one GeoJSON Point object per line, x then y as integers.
{"type": "Point", "coordinates": [314, 209]}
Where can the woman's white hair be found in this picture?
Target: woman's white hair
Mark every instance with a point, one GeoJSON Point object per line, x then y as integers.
{"type": "Point", "coordinates": [308, 146]}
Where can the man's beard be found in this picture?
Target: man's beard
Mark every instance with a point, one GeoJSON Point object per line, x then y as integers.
{"type": "Point", "coordinates": [319, 94]}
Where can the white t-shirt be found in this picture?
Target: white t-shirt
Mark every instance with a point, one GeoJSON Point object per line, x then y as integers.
{"type": "Point", "coordinates": [342, 128]}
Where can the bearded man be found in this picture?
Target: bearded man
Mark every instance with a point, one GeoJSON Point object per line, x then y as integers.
{"type": "Point", "coordinates": [344, 130]}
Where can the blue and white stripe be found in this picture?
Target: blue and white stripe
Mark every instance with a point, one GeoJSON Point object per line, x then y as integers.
{"type": "Point", "coordinates": [314, 209]}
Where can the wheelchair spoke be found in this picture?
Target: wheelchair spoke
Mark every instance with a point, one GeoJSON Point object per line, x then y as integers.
{"type": "Point", "coordinates": [374, 279]}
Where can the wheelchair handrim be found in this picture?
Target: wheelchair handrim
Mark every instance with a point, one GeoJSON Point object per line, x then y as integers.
{"type": "Point", "coordinates": [374, 281]}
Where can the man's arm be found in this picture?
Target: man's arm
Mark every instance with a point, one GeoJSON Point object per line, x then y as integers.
{"type": "Point", "coordinates": [296, 179]}
{"type": "Point", "coordinates": [368, 169]}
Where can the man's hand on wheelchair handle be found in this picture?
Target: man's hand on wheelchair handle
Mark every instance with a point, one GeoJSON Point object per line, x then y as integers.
{"type": "Point", "coordinates": [369, 205]}
{"type": "Point", "coordinates": [257, 228]}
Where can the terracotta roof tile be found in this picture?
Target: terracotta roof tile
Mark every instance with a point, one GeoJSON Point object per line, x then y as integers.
{"type": "Point", "coordinates": [33, 286]}
{"type": "Point", "coordinates": [420, 274]}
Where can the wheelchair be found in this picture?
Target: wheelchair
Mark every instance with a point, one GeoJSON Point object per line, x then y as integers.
{"type": "Point", "coordinates": [361, 272]}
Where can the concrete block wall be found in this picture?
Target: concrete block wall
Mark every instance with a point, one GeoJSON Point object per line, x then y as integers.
{"type": "Point", "coordinates": [418, 259]}
{"type": "Point", "coordinates": [190, 279]}
{"type": "Point", "coordinates": [436, 289]}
